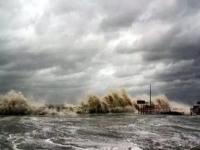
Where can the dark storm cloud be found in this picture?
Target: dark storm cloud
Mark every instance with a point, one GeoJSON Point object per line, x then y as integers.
{"type": "Point", "coordinates": [60, 50]}
{"type": "Point", "coordinates": [121, 15]}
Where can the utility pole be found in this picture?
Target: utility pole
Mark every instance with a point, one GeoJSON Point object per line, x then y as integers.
{"type": "Point", "coordinates": [150, 96]}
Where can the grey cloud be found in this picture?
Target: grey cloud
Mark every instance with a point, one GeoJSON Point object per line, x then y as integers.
{"type": "Point", "coordinates": [124, 48]}
{"type": "Point", "coordinates": [121, 15]}
{"type": "Point", "coordinates": [60, 50]}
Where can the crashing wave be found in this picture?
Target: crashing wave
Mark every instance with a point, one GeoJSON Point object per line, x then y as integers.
{"type": "Point", "coordinates": [15, 103]}
{"type": "Point", "coordinates": [114, 102]}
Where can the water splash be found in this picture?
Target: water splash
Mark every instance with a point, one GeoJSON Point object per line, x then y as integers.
{"type": "Point", "coordinates": [15, 103]}
{"type": "Point", "coordinates": [115, 102]}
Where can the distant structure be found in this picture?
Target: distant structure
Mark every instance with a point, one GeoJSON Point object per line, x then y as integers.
{"type": "Point", "coordinates": [57, 107]}
{"type": "Point", "coordinates": [195, 110]}
{"type": "Point", "coordinates": [145, 107]}
{"type": "Point", "coordinates": [150, 97]}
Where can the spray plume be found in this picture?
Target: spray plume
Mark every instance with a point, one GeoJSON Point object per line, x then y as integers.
{"type": "Point", "coordinates": [114, 102]}
{"type": "Point", "coordinates": [15, 103]}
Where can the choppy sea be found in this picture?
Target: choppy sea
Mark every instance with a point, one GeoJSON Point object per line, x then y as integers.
{"type": "Point", "coordinates": [111, 131]}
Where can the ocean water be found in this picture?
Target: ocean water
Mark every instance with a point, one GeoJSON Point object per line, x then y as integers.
{"type": "Point", "coordinates": [111, 131]}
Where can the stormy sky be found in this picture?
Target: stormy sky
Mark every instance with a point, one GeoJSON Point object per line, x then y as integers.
{"type": "Point", "coordinates": [60, 50]}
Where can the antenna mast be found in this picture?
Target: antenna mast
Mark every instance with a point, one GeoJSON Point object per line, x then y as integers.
{"type": "Point", "coordinates": [150, 95]}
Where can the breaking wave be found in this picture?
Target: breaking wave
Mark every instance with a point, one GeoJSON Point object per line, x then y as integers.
{"type": "Point", "coordinates": [114, 102]}
{"type": "Point", "coordinates": [15, 103]}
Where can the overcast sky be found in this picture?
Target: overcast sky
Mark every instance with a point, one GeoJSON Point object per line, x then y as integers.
{"type": "Point", "coordinates": [59, 50]}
